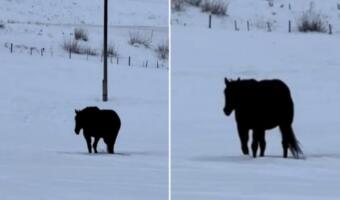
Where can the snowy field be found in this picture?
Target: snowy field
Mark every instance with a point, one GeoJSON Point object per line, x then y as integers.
{"type": "Point", "coordinates": [124, 13]}
{"type": "Point", "coordinates": [259, 13]}
{"type": "Point", "coordinates": [49, 24]}
{"type": "Point", "coordinates": [207, 161]}
{"type": "Point", "coordinates": [41, 157]}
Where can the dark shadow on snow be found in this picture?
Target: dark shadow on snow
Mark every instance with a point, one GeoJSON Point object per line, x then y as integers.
{"type": "Point", "coordinates": [267, 157]}
{"type": "Point", "coordinates": [237, 159]}
{"type": "Point", "coordinates": [222, 158]}
{"type": "Point", "coordinates": [103, 153]}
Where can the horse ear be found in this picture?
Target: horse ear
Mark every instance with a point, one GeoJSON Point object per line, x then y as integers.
{"type": "Point", "coordinates": [76, 111]}
{"type": "Point", "coordinates": [238, 79]}
{"type": "Point", "coordinates": [226, 81]}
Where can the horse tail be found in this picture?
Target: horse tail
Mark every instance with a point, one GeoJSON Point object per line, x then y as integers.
{"type": "Point", "coordinates": [294, 145]}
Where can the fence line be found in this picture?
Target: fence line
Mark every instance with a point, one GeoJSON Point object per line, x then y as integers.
{"type": "Point", "coordinates": [128, 61]}
{"type": "Point", "coordinates": [267, 25]}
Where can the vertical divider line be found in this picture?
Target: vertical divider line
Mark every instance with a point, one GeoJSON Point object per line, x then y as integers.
{"type": "Point", "coordinates": [169, 106]}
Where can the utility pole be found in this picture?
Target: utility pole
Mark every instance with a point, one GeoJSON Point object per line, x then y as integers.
{"type": "Point", "coordinates": [105, 84]}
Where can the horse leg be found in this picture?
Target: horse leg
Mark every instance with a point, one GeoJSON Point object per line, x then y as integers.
{"type": "Point", "coordinates": [110, 148]}
{"type": "Point", "coordinates": [88, 142]}
{"type": "Point", "coordinates": [244, 136]}
{"type": "Point", "coordinates": [95, 143]}
{"type": "Point", "coordinates": [255, 142]}
{"type": "Point", "coordinates": [262, 141]}
{"type": "Point", "coordinates": [285, 139]}
{"type": "Point", "coordinates": [114, 139]}
{"type": "Point", "coordinates": [109, 145]}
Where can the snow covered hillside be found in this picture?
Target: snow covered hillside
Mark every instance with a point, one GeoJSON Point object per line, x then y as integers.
{"type": "Point", "coordinates": [259, 13]}
{"type": "Point", "coordinates": [48, 25]}
{"type": "Point", "coordinates": [41, 157]}
{"type": "Point", "coordinates": [207, 160]}
{"type": "Point", "coordinates": [124, 13]}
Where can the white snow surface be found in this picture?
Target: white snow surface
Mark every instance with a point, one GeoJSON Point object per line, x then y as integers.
{"type": "Point", "coordinates": [49, 24]}
{"type": "Point", "coordinates": [124, 13]}
{"type": "Point", "coordinates": [207, 162]}
{"type": "Point", "coordinates": [258, 13]}
{"type": "Point", "coordinates": [41, 157]}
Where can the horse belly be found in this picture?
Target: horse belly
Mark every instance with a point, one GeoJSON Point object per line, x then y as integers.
{"type": "Point", "coordinates": [259, 118]}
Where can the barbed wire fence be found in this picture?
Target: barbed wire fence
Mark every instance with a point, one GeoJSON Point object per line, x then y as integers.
{"type": "Point", "coordinates": [127, 61]}
{"type": "Point", "coordinates": [268, 26]}
{"type": "Point", "coordinates": [247, 25]}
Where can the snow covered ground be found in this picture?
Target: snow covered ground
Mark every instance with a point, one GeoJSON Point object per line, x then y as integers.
{"type": "Point", "coordinates": [128, 12]}
{"type": "Point", "coordinates": [41, 157]}
{"type": "Point", "coordinates": [49, 24]}
{"type": "Point", "coordinates": [259, 13]}
{"type": "Point", "coordinates": [206, 157]}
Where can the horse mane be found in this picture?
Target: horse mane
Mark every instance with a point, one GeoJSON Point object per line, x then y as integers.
{"type": "Point", "coordinates": [245, 81]}
{"type": "Point", "coordinates": [245, 84]}
{"type": "Point", "coordinates": [91, 109]}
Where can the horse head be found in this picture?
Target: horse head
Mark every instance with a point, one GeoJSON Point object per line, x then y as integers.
{"type": "Point", "coordinates": [78, 120]}
{"type": "Point", "coordinates": [229, 94]}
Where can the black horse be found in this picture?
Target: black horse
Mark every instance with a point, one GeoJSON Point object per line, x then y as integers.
{"type": "Point", "coordinates": [98, 124]}
{"type": "Point", "coordinates": [259, 106]}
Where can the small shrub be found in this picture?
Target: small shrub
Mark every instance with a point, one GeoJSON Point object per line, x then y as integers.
{"type": "Point", "coordinates": [194, 2]}
{"type": "Point", "coordinates": [215, 7]}
{"type": "Point", "coordinates": [90, 51]}
{"type": "Point", "coordinates": [81, 34]}
{"type": "Point", "coordinates": [71, 46]}
{"type": "Point", "coordinates": [163, 51]}
{"type": "Point", "coordinates": [111, 51]}
{"type": "Point", "coordinates": [75, 47]}
{"type": "Point", "coordinates": [177, 5]}
{"type": "Point", "coordinates": [270, 3]}
{"type": "Point", "coordinates": [311, 21]}
{"type": "Point", "coordinates": [2, 25]}
{"type": "Point", "coordinates": [136, 38]}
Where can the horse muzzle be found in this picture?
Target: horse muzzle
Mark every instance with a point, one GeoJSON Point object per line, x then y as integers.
{"type": "Point", "coordinates": [227, 111]}
{"type": "Point", "coordinates": [77, 131]}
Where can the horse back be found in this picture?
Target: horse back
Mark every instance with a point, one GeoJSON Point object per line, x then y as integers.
{"type": "Point", "coordinates": [267, 103]}
{"type": "Point", "coordinates": [273, 93]}
{"type": "Point", "coordinates": [102, 122]}
{"type": "Point", "coordinates": [109, 117]}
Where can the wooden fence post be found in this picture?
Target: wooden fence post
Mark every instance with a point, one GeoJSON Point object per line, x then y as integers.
{"type": "Point", "coordinates": [330, 29]}
{"type": "Point", "coordinates": [289, 26]}
{"type": "Point", "coordinates": [210, 21]}
{"type": "Point", "coordinates": [11, 48]}
{"type": "Point", "coordinates": [70, 53]}
{"type": "Point", "coordinates": [269, 28]}
{"type": "Point", "coordinates": [235, 25]}
{"type": "Point", "coordinates": [129, 60]}
{"type": "Point", "coordinates": [248, 26]}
